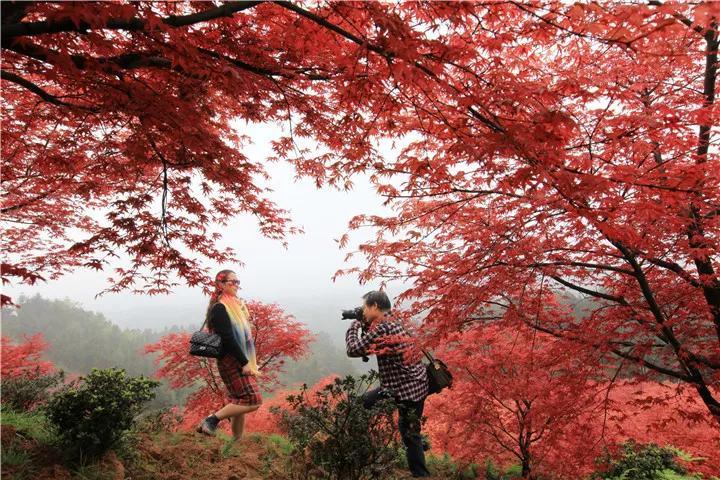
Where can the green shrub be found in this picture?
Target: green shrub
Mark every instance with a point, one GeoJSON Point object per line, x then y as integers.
{"type": "Point", "coordinates": [640, 462]}
{"type": "Point", "coordinates": [445, 466]}
{"type": "Point", "coordinates": [23, 393]}
{"type": "Point", "coordinates": [92, 414]}
{"type": "Point", "coordinates": [341, 438]}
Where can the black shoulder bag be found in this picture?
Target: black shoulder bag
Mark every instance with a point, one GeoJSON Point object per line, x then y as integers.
{"type": "Point", "coordinates": [206, 344]}
{"type": "Point", "coordinates": [439, 377]}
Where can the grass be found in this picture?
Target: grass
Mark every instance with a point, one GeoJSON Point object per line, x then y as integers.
{"type": "Point", "coordinates": [91, 471]}
{"type": "Point", "coordinates": [32, 426]}
{"type": "Point", "coordinates": [15, 457]}
{"type": "Point", "coordinates": [229, 449]}
{"type": "Point", "coordinates": [445, 466]}
{"type": "Point", "coordinates": [174, 438]}
{"type": "Point", "coordinates": [283, 444]}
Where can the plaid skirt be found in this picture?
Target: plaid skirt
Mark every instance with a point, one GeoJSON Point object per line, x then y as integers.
{"type": "Point", "coordinates": [243, 389]}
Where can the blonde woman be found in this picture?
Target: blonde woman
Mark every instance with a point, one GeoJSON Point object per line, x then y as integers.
{"type": "Point", "coordinates": [228, 316]}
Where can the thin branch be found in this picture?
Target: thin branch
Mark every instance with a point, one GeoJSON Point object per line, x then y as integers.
{"type": "Point", "coordinates": [593, 293]}
{"type": "Point", "coordinates": [48, 97]}
{"type": "Point", "coordinates": [618, 352]}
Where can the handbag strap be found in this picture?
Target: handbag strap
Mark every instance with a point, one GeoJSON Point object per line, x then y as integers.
{"type": "Point", "coordinates": [206, 317]}
{"type": "Point", "coordinates": [427, 355]}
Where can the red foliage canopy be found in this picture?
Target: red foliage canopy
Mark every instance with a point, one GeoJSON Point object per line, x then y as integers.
{"type": "Point", "coordinates": [117, 138]}
{"type": "Point", "coordinates": [518, 397]}
{"type": "Point", "coordinates": [554, 147]}
{"type": "Point", "coordinates": [562, 148]}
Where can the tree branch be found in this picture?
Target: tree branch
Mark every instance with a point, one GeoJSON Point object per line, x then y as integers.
{"type": "Point", "coordinates": [388, 55]}
{"type": "Point", "coordinates": [595, 266]}
{"type": "Point", "coordinates": [11, 31]}
{"type": "Point", "coordinates": [681, 18]}
{"type": "Point", "coordinates": [618, 352]}
{"type": "Point", "coordinates": [48, 97]}
{"type": "Point", "coordinates": [673, 267]}
{"type": "Point", "coordinates": [593, 293]}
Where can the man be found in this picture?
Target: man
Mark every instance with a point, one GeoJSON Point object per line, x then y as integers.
{"type": "Point", "coordinates": [403, 380]}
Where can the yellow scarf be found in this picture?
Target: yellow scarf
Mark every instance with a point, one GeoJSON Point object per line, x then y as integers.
{"type": "Point", "coordinates": [240, 318]}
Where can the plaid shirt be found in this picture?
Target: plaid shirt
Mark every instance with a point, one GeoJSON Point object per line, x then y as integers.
{"type": "Point", "coordinates": [388, 341]}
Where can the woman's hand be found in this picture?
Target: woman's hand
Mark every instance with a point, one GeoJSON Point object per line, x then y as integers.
{"type": "Point", "coordinates": [246, 370]}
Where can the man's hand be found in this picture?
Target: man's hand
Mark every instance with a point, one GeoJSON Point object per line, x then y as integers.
{"type": "Point", "coordinates": [246, 370]}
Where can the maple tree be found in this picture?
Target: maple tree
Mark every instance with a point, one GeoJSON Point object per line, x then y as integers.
{"type": "Point", "coordinates": [523, 397]}
{"type": "Point", "coordinates": [519, 397]}
{"type": "Point", "coordinates": [24, 359]}
{"type": "Point", "coordinates": [562, 148]}
{"type": "Point", "coordinates": [553, 148]}
{"type": "Point", "coordinates": [278, 336]}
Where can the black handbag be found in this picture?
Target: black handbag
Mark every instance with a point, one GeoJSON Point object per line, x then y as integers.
{"type": "Point", "coordinates": [439, 376]}
{"type": "Point", "coordinates": [206, 344]}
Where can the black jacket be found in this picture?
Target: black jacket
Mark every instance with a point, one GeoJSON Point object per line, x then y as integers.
{"type": "Point", "coordinates": [221, 324]}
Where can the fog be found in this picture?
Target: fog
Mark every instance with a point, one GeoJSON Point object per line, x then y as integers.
{"type": "Point", "coordinates": [298, 277]}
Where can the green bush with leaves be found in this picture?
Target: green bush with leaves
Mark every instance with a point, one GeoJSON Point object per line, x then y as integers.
{"type": "Point", "coordinates": [640, 462]}
{"type": "Point", "coordinates": [24, 393]}
{"type": "Point", "coordinates": [340, 438]}
{"type": "Point", "coordinates": [92, 414]}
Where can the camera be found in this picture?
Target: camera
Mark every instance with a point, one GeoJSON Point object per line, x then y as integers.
{"type": "Point", "coordinates": [354, 314]}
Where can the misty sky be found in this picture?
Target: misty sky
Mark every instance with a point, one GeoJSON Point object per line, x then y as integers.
{"type": "Point", "coordinates": [298, 275]}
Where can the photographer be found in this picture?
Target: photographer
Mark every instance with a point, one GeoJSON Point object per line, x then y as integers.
{"type": "Point", "coordinates": [404, 381]}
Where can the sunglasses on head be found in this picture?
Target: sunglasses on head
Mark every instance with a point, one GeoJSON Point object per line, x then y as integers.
{"type": "Point", "coordinates": [232, 282]}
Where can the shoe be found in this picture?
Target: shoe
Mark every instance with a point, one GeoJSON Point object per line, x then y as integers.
{"type": "Point", "coordinates": [206, 428]}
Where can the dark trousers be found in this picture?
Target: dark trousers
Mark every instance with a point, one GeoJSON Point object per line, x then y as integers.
{"type": "Point", "coordinates": [410, 414]}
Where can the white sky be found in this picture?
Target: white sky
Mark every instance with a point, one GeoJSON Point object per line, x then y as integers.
{"type": "Point", "coordinates": [299, 275]}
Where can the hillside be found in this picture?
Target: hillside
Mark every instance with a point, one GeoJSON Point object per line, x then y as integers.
{"type": "Point", "coordinates": [28, 453]}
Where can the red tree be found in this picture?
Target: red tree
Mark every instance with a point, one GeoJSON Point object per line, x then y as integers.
{"type": "Point", "coordinates": [546, 404]}
{"type": "Point", "coordinates": [23, 359]}
{"type": "Point", "coordinates": [519, 397]}
{"type": "Point", "coordinates": [567, 148]}
{"type": "Point", "coordinates": [555, 146]}
{"type": "Point", "coordinates": [277, 337]}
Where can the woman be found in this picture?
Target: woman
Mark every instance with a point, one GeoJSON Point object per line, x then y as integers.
{"type": "Point", "coordinates": [229, 317]}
